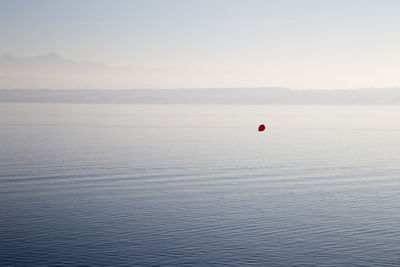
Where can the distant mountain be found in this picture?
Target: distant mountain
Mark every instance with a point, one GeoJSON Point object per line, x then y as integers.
{"type": "Point", "coordinates": [53, 71]}
{"type": "Point", "coordinates": [51, 75]}
{"type": "Point", "coordinates": [49, 62]}
{"type": "Point", "coordinates": [260, 96]}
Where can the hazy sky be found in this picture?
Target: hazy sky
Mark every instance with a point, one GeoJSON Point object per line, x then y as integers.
{"type": "Point", "coordinates": [216, 43]}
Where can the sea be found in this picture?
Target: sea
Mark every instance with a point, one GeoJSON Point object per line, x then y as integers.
{"type": "Point", "coordinates": [199, 185]}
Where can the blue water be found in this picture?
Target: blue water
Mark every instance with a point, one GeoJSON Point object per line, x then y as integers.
{"type": "Point", "coordinates": [173, 185]}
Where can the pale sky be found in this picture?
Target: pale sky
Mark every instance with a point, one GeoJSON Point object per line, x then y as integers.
{"type": "Point", "coordinates": [215, 43]}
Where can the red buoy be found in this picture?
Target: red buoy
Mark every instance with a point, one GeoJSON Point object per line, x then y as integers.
{"type": "Point", "coordinates": [261, 128]}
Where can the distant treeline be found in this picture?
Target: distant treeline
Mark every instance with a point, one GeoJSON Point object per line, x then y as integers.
{"type": "Point", "coordinates": [267, 96]}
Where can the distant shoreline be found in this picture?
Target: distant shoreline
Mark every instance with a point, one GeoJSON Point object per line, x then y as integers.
{"type": "Point", "coordinates": [249, 96]}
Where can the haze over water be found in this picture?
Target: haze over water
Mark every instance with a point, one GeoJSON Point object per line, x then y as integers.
{"type": "Point", "coordinates": [199, 185]}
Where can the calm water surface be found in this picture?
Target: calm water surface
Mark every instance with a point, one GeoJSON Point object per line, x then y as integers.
{"type": "Point", "coordinates": [167, 185]}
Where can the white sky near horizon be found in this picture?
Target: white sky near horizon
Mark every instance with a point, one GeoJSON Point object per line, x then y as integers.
{"type": "Point", "coordinates": [299, 44]}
